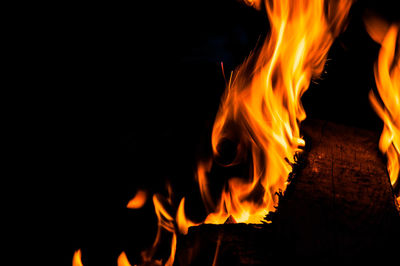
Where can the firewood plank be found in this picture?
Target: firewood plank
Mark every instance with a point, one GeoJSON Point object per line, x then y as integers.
{"type": "Point", "coordinates": [339, 205]}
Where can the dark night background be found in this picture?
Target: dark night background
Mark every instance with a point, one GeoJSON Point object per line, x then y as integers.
{"type": "Point", "coordinates": [136, 88]}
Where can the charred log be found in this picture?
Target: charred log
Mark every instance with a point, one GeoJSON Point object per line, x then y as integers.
{"type": "Point", "coordinates": [340, 204]}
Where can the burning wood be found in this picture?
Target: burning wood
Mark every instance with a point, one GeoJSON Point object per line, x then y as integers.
{"type": "Point", "coordinates": [261, 112]}
{"type": "Point", "coordinates": [230, 220]}
{"type": "Point", "coordinates": [261, 109]}
{"type": "Point", "coordinates": [259, 118]}
{"type": "Point", "coordinates": [339, 204]}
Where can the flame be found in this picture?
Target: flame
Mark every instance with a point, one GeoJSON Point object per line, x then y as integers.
{"type": "Point", "coordinates": [165, 222]}
{"type": "Point", "coordinates": [261, 109]}
{"type": "Point", "coordinates": [387, 77]}
{"type": "Point", "coordinates": [168, 223]}
{"type": "Point", "coordinates": [123, 260]}
{"type": "Point", "coordinates": [138, 201]}
{"type": "Point", "coordinates": [181, 220]}
{"type": "Point", "coordinates": [76, 260]}
{"type": "Point", "coordinates": [202, 169]}
{"type": "Point", "coordinates": [254, 3]}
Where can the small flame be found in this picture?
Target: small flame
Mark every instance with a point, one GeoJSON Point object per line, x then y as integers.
{"type": "Point", "coordinates": [202, 169]}
{"type": "Point", "coordinates": [387, 77]}
{"type": "Point", "coordinates": [77, 260]}
{"type": "Point", "coordinates": [123, 260]}
{"type": "Point", "coordinates": [181, 220]}
{"type": "Point", "coordinates": [254, 3]}
{"type": "Point", "coordinates": [261, 109]}
{"type": "Point", "coordinates": [165, 222]}
{"type": "Point", "coordinates": [138, 201]}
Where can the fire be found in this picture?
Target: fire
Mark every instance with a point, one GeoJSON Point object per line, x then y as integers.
{"type": "Point", "coordinates": [387, 77]}
{"type": "Point", "coordinates": [76, 260]}
{"type": "Point", "coordinates": [123, 260]}
{"type": "Point", "coordinates": [261, 109]}
{"type": "Point", "coordinates": [261, 112]}
{"type": "Point", "coordinates": [181, 220]}
{"type": "Point", "coordinates": [138, 201]}
{"type": "Point", "coordinates": [165, 222]}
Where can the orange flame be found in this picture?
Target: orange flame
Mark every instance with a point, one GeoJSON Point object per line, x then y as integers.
{"type": "Point", "coordinates": [261, 109]}
{"type": "Point", "coordinates": [387, 77]}
{"type": "Point", "coordinates": [138, 201]}
{"type": "Point", "coordinates": [76, 260]}
{"type": "Point", "coordinates": [181, 220]}
{"type": "Point", "coordinates": [168, 223]}
{"type": "Point", "coordinates": [123, 260]}
{"type": "Point", "coordinates": [202, 170]}
{"type": "Point", "coordinates": [165, 222]}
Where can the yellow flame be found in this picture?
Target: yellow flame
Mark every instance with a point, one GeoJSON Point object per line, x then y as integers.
{"type": "Point", "coordinates": [76, 260]}
{"type": "Point", "coordinates": [123, 260]}
{"type": "Point", "coordinates": [138, 201]}
{"type": "Point", "coordinates": [261, 109]}
{"type": "Point", "coordinates": [387, 77]}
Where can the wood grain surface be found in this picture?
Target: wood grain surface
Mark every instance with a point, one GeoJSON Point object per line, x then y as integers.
{"type": "Point", "coordinates": [339, 206]}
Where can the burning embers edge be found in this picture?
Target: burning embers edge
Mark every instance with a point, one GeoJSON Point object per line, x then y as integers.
{"type": "Point", "coordinates": [300, 162]}
{"type": "Point", "coordinates": [206, 243]}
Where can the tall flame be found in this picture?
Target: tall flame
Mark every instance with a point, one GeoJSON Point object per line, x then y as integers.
{"type": "Point", "coordinates": [387, 76]}
{"type": "Point", "coordinates": [261, 109]}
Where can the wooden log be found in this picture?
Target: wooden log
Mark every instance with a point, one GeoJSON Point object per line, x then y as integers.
{"type": "Point", "coordinates": [340, 205]}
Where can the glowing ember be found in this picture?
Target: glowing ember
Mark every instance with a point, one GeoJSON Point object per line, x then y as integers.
{"type": "Point", "coordinates": [138, 201]}
{"type": "Point", "coordinates": [261, 109]}
{"type": "Point", "coordinates": [387, 76]}
{"type": "Point", "coordinates": [76, 260]}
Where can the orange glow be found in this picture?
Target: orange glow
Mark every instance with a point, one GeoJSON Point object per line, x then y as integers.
{"type": "Point", "coordinates": [123, 260]}
{"type": "Point", "coordinates": [387, 77]}
{"type": "Point", "coordinates": [76, 260]}
{"type": "Point", "coordinates": [261, 110]}
{"type": "Point", "coordinates": [138, 201]}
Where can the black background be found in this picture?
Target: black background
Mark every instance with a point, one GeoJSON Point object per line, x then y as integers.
{"type": "Point", "coordinates": [135, 89]}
